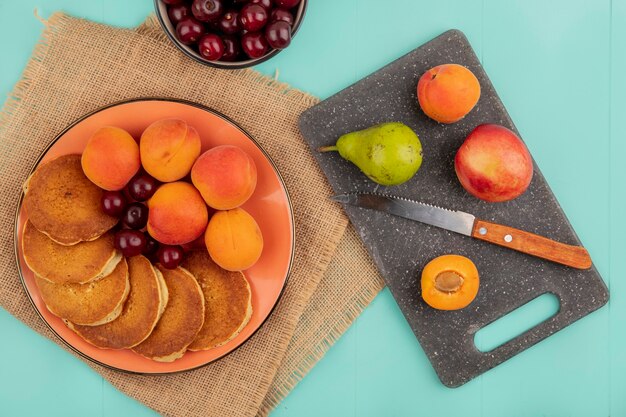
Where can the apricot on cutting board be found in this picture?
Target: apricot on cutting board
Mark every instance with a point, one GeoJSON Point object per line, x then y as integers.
{"type": "Point", "coordinates": [450, 282]}
{"type": "Point", "coordinates": [447, 93]}
{"type": "Point", "coordinates": [111, 158]}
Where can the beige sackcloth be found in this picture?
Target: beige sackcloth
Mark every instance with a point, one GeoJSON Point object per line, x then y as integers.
{"type": "Point", "coordinates": [79, 66]}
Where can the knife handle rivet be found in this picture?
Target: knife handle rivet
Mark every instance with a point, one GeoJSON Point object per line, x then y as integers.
{"type": "Point", "coordinates": [482, 231]}
{"type": "Point", "coordinates": [508, 238]}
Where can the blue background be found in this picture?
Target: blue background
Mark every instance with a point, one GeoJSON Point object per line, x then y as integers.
{"type": "Point", "coordinates": [559, 67]}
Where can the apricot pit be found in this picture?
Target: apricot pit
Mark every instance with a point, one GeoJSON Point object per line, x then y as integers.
{"type": "Point", "coordinates": [450, 282]}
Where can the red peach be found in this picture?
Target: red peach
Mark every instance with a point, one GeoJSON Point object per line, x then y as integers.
{"type": "Point", "coordinates": [493, 164]}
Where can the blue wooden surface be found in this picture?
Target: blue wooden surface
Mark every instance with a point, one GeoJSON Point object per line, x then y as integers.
{"type": "Point", "coordinates": [559, 67]}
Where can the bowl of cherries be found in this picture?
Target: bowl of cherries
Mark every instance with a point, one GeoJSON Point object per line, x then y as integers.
{"type": "Point", "coordinates": [231, 34]}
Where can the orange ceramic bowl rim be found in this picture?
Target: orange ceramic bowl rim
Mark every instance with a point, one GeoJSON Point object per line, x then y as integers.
{"type": "Point", "coordinates": [17, 241]}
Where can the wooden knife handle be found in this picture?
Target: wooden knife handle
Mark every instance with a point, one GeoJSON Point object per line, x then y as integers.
{"type": "Point", "coordinates": [541, 247]}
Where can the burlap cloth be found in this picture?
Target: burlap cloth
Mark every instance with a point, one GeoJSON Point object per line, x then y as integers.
{"type": "Point", "coordinates": [79, 66]}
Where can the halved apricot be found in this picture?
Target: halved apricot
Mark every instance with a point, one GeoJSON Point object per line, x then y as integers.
{"type": "Point", "coordinates": [450, 282]}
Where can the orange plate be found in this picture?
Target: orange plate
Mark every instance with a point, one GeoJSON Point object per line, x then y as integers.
{"type": "Point", "coordinates": [270, 206]}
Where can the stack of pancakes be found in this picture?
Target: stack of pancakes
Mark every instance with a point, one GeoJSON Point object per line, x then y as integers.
{"type": "Point", "coordinates": [114, 302]}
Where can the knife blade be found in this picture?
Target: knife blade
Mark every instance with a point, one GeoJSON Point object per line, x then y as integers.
{"type": "Point", "coordinates": [469, 225]}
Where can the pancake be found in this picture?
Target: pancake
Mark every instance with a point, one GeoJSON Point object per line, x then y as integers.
{"type": "Point", "coordinates": [228, 305]}
{"type": "Point", "coordinates": [181, 321]}
{"type": "Point", "coordinates": [94, 303]}
{"type": "Point", "coordinates": [141, 312]}
{"type": "Point", "coordinates": [59, 264]}
{"type": "Point", "coordinates": [62, 203]}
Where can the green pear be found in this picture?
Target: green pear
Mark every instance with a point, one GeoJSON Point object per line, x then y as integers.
{"type": "Point", "coordinates": [388, 153]}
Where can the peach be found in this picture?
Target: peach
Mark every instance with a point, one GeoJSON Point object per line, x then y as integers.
{"type": "Point", "coordinates": [226, 177]}
{"type": "Point", "coordinates": [448, 92]}
{"type": "Point", "coordinates": [169, 147]}
{"type": "Point", "coordinates": [233, 239]}
{"type": "Point", "coordinates": [177, 214]}
{"type": "Point", "coordinates": [493, 164]}
{"type": "Point", "coordinates": [111, 158]}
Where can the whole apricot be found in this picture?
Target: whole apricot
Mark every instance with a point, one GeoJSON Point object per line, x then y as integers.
{"type": "Point", "coordinates": [111, 158]}
{"type": "Point", "coordinates": [169, 148]}
{"type": "Point", "coordinates": [177, 214]}
{"type": "Point", "coordinates": [446, 93]}
{"type": "Point", "coordinates": [233, 239]}
{"type": "Point", "coordinates": [226, 176]}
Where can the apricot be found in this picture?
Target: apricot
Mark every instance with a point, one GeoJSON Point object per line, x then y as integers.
{"type": "Point", "coordinates": [169, 147]}
{"type": "Point", "coordinates": [177, 214]}
{"type": "Point", "coordinates": [226, 177]}
{"type": "Point", "coordinates": [447, 93]}
{"type": "Point", "coordinates": [111, 158]}
{"type": "Point", "coordinates": [450, 282]}
{"type": "Point", "coordinates": [233, 239]}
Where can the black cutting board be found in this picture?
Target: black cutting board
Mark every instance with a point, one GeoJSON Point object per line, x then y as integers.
{"type": "Point", "coordinates": [401, 248]}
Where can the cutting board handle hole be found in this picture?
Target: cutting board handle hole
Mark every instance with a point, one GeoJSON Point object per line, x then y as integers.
{"type": "Point", "coordinates": [517, 322]}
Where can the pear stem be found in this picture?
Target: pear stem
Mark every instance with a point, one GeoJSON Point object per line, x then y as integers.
{"type": "Point", "coordinates": [327, 148]}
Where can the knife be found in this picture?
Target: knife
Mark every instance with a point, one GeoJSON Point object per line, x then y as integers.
{"type": "Point", "coordinates": [467, 224]}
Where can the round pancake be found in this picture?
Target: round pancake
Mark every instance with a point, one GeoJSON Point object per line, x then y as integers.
{"type": "Point", "coordinates": [94, 303]}
{"type": "Point", "coordinates": [62, 203]}
{"type": "Point", "coordinates": [181, 321]}
{"type": "Point", "coordinates": [228, 301]}
{"type": "Point", "coordinates": [59, 264]}
{"type": "Point", "coordinates": [141, 312]}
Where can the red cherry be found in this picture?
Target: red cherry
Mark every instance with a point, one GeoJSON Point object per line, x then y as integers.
{"type": "Point", "coordinates": [189, 30]}
{"type": "Point", "coordinates": [207, 10]}
{"type": "Point", "coordinates": [287, 4]}
{"type": "Point", "coordinates": [130, 242]}
{"type": "Point", "coordinates": [281, 14]}
{"type": "Point", "coordinates": [278, 34]}
{"type": "Point", "coordinates": [135, 215]}
{"type": "Point", "coordinates": [142, 186]}
{"type": "Point", "coordinates": [172, 2]}
{"type": "Point", "coordinates": [113, 203]}
{"type": "Point", "coordinates": [178, 12]}
{"type": "Point", "coordinates": [254, 45]}
{"type": "Point", "coordinates": [170, 256]}
{"type": "Point", "coordinates": [267, 4]}
{"type": "Point", "coordinates": [229, 22]}
{"type": "Point", "coordinates": [211, 47]}
{"type": "Point", "coordinates": [151, 246]}
{"type": "Point", "coordinates": [252, 17]}
{"type": "Point", "coordinates": [231, 48]}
